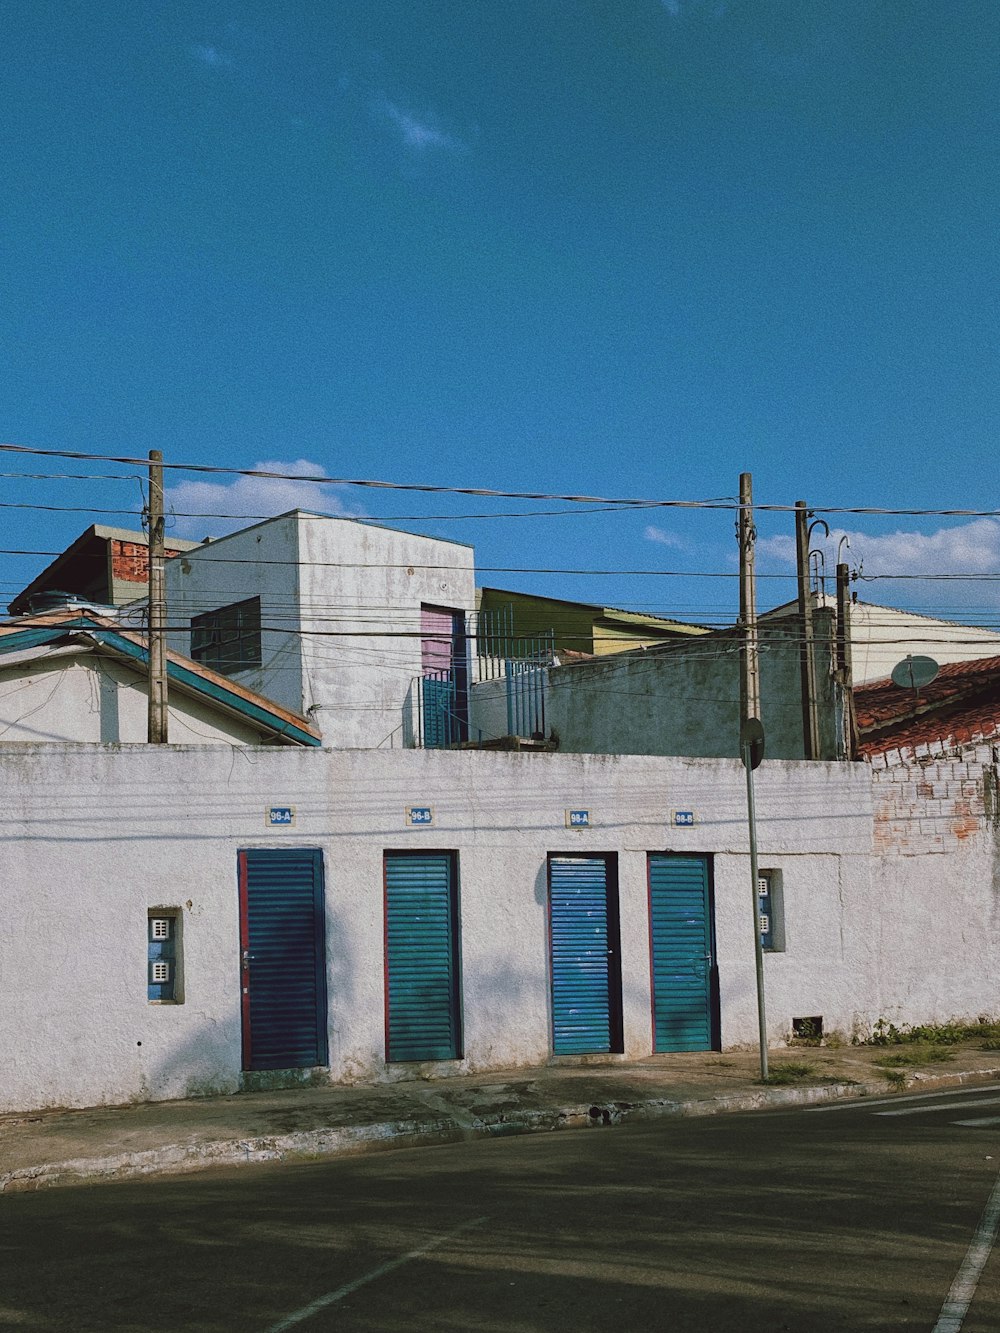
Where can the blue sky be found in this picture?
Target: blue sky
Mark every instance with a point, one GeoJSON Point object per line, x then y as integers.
{"type": "Point", "coordinates": [631, 247]}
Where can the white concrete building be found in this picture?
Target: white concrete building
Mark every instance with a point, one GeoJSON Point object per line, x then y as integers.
{"type": "Point", "coordinates": [334, 618]}
{"type": "Point", "coordinates": [182, 920]}
{"type": "Point", "coordinates": [281, 962]}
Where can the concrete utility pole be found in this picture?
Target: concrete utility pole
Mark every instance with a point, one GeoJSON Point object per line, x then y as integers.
{"type": "Point", "coordinates": [845, 666]}
{"type": "Point", "coordinates": [751, 727]}
{"type": "Point", "coordinates": [750, 673]}
{"type": "Point", "coordinates": [157, 612]}
{"type": "Point", "coordinates": [807, 657]}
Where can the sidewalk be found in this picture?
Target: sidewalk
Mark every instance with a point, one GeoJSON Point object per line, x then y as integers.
{"type": "Point", "coordinates": [44, 1148]}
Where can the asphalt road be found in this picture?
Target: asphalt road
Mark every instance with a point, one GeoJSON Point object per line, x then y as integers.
{"type": "Point", "coordinates": [841, 1217]}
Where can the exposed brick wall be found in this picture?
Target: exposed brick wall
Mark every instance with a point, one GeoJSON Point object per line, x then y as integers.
{"type": "Point", "coordinates": [130, 560]}
{"type": "Point", "coordinates": [934, 802]}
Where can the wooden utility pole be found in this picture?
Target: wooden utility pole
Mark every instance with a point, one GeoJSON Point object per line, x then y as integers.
{"type": "Point", "coordinates": [845, 666]}
{"type": "Point", "coordinates": [751, 728]}
{"type": "Point", "coordinates": [157, 613]}
{"type": "Point", "coordinates": [807, 657]}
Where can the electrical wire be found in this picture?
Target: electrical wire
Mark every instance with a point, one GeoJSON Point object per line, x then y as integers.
{"type": "Point", "coordinates": [723, 502]}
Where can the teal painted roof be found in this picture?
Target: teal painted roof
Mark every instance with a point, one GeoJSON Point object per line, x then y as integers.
{"type": "Point", "coordinates": [40, 631]}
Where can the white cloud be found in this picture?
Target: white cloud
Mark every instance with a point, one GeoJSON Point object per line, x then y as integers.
{"type": "Point", "coordinates": [662, 537]}
{"type": "Point", "coordinates": [419, 136]}
{"type": "Point", "coordinates": [969, 548]}
{"type": "Point", "coordinates": [212, 56]}
{"type": "Point", "coordinates": [228, 505]}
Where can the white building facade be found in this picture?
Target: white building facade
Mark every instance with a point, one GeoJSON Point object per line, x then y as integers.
{"type": "Point", "coordinates": [191, 920]}
{"type": "Point", "coordinates": [333, 618]}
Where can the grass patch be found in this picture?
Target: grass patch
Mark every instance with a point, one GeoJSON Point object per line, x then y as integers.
{"type": "Point", "coordinates": [791, 1071]}
{"type": "Point", "coordinates": [914, 1057]}
{"type": "Point", "coordinates": [896, 1078]}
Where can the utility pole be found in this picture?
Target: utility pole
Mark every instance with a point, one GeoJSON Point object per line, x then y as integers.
{"type": "Point", "coordinates": [810, 715]}
{"type": "Point", "coordinates": [750, 674]}
{"type": "Point", "coordinates": [751, 727]}
{"type": "Point", "coordinates": [845, 666]}
{"type": "Point", "coordinates": [157, 612]}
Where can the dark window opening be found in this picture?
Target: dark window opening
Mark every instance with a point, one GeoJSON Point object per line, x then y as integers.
{"type": "Point", "coordinates": [228, 640]}
{"type": "Point", "coordinates": [808, 1029]}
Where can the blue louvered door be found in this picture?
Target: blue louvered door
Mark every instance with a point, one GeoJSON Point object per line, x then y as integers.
{"type": "Point", "coordinates": [586, 975]}
{"type": "Point", "coordinates": [682, 953]}
{"type": "Point", "coordinates": [421, 957]}
{"type": "Point", "coordinates": [283, 962]}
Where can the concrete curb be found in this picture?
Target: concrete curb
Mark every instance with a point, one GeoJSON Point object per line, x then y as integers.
{"type": "Point", "coordinates": [453, 1126]}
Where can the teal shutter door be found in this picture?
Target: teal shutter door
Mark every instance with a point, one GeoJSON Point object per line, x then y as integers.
{"type": "Point", "coordinates": [584, 1018]}
{"type": "Point", "coordinates": [282, 935]}
{"type": "Point", "coordinates": [681, 943]}
{"type": "Point", "coordinates": [421, 957]}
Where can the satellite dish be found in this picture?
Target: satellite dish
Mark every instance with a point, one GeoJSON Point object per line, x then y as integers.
{"type": "Point", "coordinates": [914, 672]}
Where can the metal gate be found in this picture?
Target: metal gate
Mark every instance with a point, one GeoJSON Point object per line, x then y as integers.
{"type": "Point", "coordinates": [421, 957]}
{"type": "Point", "coordinates": [283, 971]}
{"type": "Point", "coordinates": [586, 966]}
{"type": "Point", "coordinates": [685, 1006]}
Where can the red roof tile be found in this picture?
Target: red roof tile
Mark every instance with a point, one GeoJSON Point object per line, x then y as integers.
{"type": "Point", "coordinates": [961, 705]}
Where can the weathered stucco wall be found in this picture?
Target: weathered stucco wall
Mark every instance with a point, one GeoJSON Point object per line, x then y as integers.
{"type": "Point", "coordinates": [685, 699]}
{"type": "Point", "coordinates": [81, 696]}
{"type": "Point", "coordinates": [259, 561]}
{"type": "Point", "coordinates": [93, 837]}
{"type": "Point", "coordinates": [937, 824]}
{"type": "Point", "coordinates": [340, 601]}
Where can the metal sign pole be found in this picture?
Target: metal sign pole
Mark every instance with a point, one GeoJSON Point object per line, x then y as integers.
{"type": "Point", "coordinates": [754, 879]}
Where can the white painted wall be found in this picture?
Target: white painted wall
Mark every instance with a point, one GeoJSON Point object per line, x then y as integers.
{"type": "Point", "coordinates": [368, 583]}
{"type": "Point", "coordinates": [342, 600]}
{"type": "Point", "coordinates": [259, 561]}
{"type": "Point", "coordinates": [937, 829]}
{"type": "Point", "coordinates": [92, 837]}
{"type": "Point", "coordinates": [74, 694]}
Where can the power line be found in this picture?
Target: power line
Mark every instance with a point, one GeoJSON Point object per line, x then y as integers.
{"type": "Point", "coordinates": [724, 502]}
